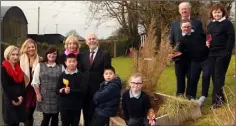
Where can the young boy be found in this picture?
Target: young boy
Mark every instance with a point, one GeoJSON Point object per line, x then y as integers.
{"type": "Point", "coordinates": [71, 90]}
{"type": "Point", "coordinates": [197, 52]}
{"type": "Point", "coordinates": [107, 98]}
{"type": "Point", "coordinates": [135, 102]}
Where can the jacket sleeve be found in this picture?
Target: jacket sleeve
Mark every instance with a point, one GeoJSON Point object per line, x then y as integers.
{"type": "Point", "coordinates": [231, 37]}
{"type": "Point", "coordinates": [111, 91]}
{"type": "Point", "coordinates": [5, 85]}
{"type": "Point", "coordinates": [125, 110]}
{"type": "Point", "coordinates": [147, 104]}
{"type": "Point", "coordinates": [172, 35]}
{"type": "Point", "coordinates": [107, 59]}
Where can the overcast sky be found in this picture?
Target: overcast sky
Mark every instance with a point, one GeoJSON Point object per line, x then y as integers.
{"type": "Point", "coordinates": [68, 15]}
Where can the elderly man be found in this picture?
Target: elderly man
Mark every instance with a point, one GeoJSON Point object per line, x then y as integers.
{"type": "Point", "coordinates": [182, 64]}
{"type": "Point", "coordinates": [93, 62]}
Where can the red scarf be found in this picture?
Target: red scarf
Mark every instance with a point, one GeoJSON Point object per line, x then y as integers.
{"type": "Point", "coordinates": [16, 74]}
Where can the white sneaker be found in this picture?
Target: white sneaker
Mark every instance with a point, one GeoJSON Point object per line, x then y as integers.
{"type": "Point", "coordinates": [201, 100]}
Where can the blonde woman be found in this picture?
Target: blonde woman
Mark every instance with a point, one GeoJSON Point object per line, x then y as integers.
{"type": "Point", "coordinates": [28, 60]}
{"type": "Point", "coordinates": [72, 45]}
{"type": "Point", "coordinates": [12, 82]}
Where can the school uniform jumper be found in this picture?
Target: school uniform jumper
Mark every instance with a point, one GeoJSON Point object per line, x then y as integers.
{"type": "Point", "coordinates": [223, 39]}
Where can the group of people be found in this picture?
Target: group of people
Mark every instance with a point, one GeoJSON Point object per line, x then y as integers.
{"type": "Point", "coordinates": [67, 83]}
{"type": "Point", "coordinates": [196, 52]}
{"type": "Point", "coordinates": [72, 81]}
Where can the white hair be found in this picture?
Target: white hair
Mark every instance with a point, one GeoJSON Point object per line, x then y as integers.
{"type": "Point", "coordinates": [89, 34]}
{"type": "Point", "coordinates": [185, 3]}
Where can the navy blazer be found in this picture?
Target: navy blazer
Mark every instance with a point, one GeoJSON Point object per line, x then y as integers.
{"type": "Point", "coordinates": [94, 74]}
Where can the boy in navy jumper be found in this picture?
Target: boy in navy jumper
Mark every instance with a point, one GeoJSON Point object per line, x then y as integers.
{"type": "Point", "coordinates": [193, 46]}
{"type": "Point", "coordinates": [221, 30]}
{"type": "Point", "coordinates": [107, 98]}
{"type": "Point", "coordinates": [71, 90]}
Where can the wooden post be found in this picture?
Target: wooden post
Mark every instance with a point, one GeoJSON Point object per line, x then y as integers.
{"type": "Point", "coordinates": [114, 49]}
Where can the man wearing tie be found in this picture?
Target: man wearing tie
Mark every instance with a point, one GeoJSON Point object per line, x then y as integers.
{"type": "Point", "coordinates": [93, 63]}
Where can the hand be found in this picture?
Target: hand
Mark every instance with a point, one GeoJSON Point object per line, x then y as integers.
{"type": "Point", "coordinates": [208, 44]}
{"type": "Point", "coordinates": [16, 103]}
{"type": "Point", "coordinates": [61, 90]}
{"type": "Point", "coordinates": [171, 56]}
{"type": "Point", "coordinates": [20, 98]}
{"type": "Point", "coordinates": [39, 97]}
{"type": "Point", "coordinates": [67, 90]}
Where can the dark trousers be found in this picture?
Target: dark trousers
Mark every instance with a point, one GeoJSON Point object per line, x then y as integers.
{"type": "Point", "coordinates": [99, 121]}
{"type": "Point", "coordinates": [218, 67]}
{"type": "Point", "coordinates": [88, 109]}
{"type": "Point", "coordinates": [30, 116]}
{"type": "Point", "coordinates": [16, 124]}
{"type": "Point", "coordinates": [136, 122]}
{"type": "Point", "coordinates": [70, 117]}
{"type": "Point", "coordinates": [47, 117]}
{"type": "Point", "coordinates": [182, 67]}
{"type": "Point", "coordinates": [195, 71]}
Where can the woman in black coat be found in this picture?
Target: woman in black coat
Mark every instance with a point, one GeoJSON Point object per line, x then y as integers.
{"type": "Point", "coordinates": [12, 80]}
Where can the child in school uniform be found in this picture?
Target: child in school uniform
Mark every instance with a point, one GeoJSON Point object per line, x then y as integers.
{"type": "Point", "coordinates": [197, 53]}
{"type": "Point", "coordinates": [107, 98]}
{"type": "Point", "coordinates": [222, 33]}
{"type": "Point", "coordinates": [135, 102]}
{"type": "Point", "coordinates": [71, 90]}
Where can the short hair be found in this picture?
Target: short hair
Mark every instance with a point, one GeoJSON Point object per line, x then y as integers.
{"type": "Point", "coordinates": [89, 34]}
{"type": "Point", "coordinates": [49, 50]}
{"type": "Point", "coordinates": [187, 3]}
{"type": "Point", "coordinates": [8, 51]}
{"type": "Point", "coordinates": [184, 21]}
{"type": "Point", "coordinates": [71, 55]}
{"type": "Point", "coordinates": [73, 38]}
{"type": "Point", "coordinates": [110, 68]}
{"type": "Point", "coordinates": [23, 48]}
{"type": "Point", "coordinates": [135, 75]}
{"type": "Point", "coordinates": [216, 7]}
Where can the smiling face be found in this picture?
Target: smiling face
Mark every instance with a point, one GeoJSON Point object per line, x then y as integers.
{"type": "Point", "coordinates": [108, 75]}
{"type": "Point", "coordinates": [217, 14]}
{"type": "Point", "coordinates": [136, 84]}
{"type": "Point", "coordinates": [186, 27]}
{"type": "Point", "coordinates": [72, 45]}
{"type": "Point", "coordinates": [14, 57]}
{"type": "Point", "coordinates": [184, 9]}
{"type": "Point", "coordinates": [52, 56]}
{"type": "Point", "coordinates": [31, 49]}
{"type": "Point", "coordinates": [92, 41]}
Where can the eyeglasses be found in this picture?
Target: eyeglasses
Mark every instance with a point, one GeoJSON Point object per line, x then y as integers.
{"type": "Point", "coordinates": [187, 27]}
{"type": "Point", "coordinates": [136, 83]}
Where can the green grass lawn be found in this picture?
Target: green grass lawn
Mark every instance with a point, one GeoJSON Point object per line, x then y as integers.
{"type": "Point", "coordinates": [167, 85]}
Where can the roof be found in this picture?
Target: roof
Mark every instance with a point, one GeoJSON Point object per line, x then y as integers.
{"type": "Point", "coordinates": [5, 9]}
{"type": "Point", "coordinates": [49, 38]}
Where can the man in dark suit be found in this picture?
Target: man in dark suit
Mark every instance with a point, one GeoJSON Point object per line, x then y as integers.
{"type": "Point", "coordinates": [93, 63]}
{"type": "Point", "coordinates": [182, 65]}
